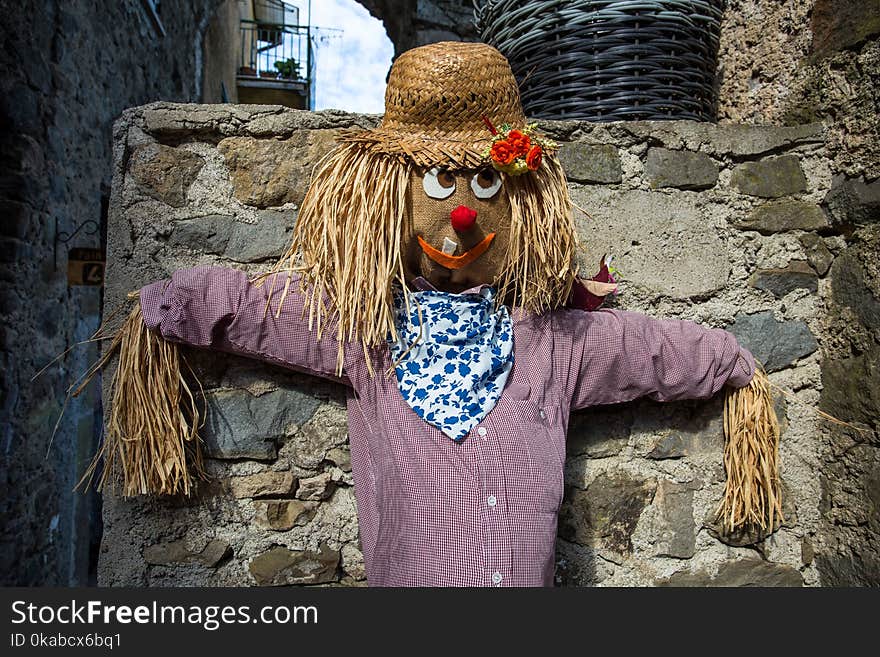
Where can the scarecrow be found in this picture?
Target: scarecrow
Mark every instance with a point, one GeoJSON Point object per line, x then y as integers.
{"type": "Point", "coordinates": [433, 272]}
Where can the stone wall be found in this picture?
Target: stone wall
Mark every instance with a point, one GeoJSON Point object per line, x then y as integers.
{"type": "Point", "coordinates": [806, 60]}
{"type": "Point", "coordinates": [69, 69]}
{"type": "Point", "coordinates": [819, 60]}
{"type": "Point", "coordinates": [725, 225]}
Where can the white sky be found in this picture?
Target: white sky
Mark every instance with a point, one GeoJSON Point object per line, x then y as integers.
{"type": "Point", "coordinates": [352, 64]}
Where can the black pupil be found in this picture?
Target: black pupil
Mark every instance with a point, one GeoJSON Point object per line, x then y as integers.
{"type": "Point", "coordinates": [445, 179]}
{"type": "Point", "coordinates": [486, 178]}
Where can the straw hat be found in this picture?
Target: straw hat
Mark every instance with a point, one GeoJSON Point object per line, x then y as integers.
{"type": "Point", "coordinates": [436, 99]}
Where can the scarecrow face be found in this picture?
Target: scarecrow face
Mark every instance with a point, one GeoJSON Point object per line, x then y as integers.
{"type": "Point", "coordinates": [460, 227]}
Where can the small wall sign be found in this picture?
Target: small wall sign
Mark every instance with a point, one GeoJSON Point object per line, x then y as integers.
{"type": "Point", "coordinates": [85, 266]}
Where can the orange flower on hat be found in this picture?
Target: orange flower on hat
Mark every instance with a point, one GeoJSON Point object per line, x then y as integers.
{"type": "Point", "coordinates": [517, 151]}
{"type": "Point", "coordinates": [533, 159]}
{"type": "Point", "coordinates": [503, 152]}
{"type": "Point", "coordinates": [519, 142]}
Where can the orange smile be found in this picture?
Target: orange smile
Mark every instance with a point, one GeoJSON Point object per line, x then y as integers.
{"type": "Point", "coordinates": [456, 262]}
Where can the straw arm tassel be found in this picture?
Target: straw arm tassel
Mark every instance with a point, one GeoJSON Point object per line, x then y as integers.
{"type": "Point", "coordinates": [753, 494]}
{"type": "Point", "coordinates": [151, 440]}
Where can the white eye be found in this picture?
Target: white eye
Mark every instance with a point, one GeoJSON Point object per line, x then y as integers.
{"type": "Point", "coordinates": [486, 183]}
{"type": "Point", "coordinates": [438, 183]}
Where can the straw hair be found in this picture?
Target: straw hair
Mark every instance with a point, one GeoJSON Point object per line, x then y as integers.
{"type": "Point", "coordinates": [435, 101]}
{"type": "Point", "coordinates": [151, 444]}
{"type": "Point", "coordinates": [347, 246]}
{"type": "Point", "coordinates": [540, 265]}
{"type": "Point", "coordinates": [350, 239]}
{"type": "Point", "coordinates": [753, 496]}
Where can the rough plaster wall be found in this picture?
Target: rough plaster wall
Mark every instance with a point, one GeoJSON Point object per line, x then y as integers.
{"type": "Point", "coordinates": [800, 61]}
{"type": "Point", "coordinates": [719, 224]}
{"type": "Point", "coordinates": [819, 60]}
{"type": "Point", "coordinates": [222, 53]}
{"type": "Point", "coordinates": [69, 69]}
{"type": "Point", "coordinates": [411, 23]}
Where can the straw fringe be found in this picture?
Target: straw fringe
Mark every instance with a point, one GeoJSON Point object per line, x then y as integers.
{"type": "Point", "coordinates": [540, 265]}
{"type": "Point", "coordinates": [753, 495]}
{"type": "Point", "coordinates": [347, 246]}
{"type": "Point", "coordinates": [151, 443]}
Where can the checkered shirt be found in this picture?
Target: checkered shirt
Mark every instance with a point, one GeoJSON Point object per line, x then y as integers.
{"type": "Point", "coordinates": [482, 512]}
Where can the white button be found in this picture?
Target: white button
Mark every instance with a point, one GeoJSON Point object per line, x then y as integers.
{"type": "Point", "coordinates": [543, 414]}
{"type": "Point", "coordinates": [491, 501]}
{"type": "Point", "coordinates": [496, 578]}
{"type": "Point", "coordinates": [482, 431]}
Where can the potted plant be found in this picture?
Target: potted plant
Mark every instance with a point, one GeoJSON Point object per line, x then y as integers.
{"type": "Point", "coordinates": [288, 68]}
{"type": "Point", "coordinates": [268, 74]}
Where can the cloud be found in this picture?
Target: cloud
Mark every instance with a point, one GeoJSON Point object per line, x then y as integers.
{"type": "Point", "coordinates": [351, 66]}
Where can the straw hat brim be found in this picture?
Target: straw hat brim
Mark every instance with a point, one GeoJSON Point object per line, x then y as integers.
{"type": "Point", "coordinates": [461, 151]}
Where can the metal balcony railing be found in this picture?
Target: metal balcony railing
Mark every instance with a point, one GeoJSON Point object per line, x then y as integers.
{"type": "Point", "coordinates": [279, 52]}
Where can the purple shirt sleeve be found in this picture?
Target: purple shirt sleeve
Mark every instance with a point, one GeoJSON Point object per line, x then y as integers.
{"type": "Point", "coordinates": [219, 308]}
{"type": "Point", "coordinates": [618, 356]}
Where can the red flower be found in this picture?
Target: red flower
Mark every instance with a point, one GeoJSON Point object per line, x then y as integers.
{"type": "Point", "coordinates": [503, 153]}
{"type": "Point", "coordinates": [533, 159]}
{"type": "Point", "coordinates": [519, 141]}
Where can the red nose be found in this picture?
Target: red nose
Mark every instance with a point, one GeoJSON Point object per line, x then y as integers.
{"type": "Point", "coordinates": [463, 218]}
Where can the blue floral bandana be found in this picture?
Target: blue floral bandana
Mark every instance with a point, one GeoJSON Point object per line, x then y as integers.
{"type": "Point", "coordinates": [453, 356]}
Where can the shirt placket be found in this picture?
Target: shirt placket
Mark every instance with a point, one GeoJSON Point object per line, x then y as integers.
{"type": "Point", "coordinates": [497, 547]}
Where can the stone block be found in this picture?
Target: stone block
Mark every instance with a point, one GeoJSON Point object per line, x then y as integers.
{"type": "Point", "coordinates": [776, 344]}
{"type": "Point", "coordinates": [264, 484]}
{"type": "Point", "coordinates": [683, 428]}
{"type": "Point", "coordinates": [268, 239]}
{"type": "Point", "coordinates": [770, 178]}
{"type": "Point", "coordinates": [281, 566]}
{"type": "Point", "coordinates": [165, 173]}
{"type": "Point", "coordinates": [808, 552]}
{"type": "Point", "coordinates": [241, 425]}
{"type": "Point", "coordinates": [818, 255]}
{"type": "Point", "coordinates": [850, 287]}
{"type": "Point", "coordinates": [313, 442]}
{"type": "Point", "coordinates": [739, 139]}
{"type": "Point", "coordinates": [606, 513]}
{"type": "Point", "coordinates": [780, 281]}
{"type": "Point", "coordinates": [208, 234]}
{"type": "Point", "coordinates": [175, 121]}
{"type": "Point", "coordinates": [851, 388]}
{"type": "Point", "coordinates": [282, 515]}
{"type": "Point", "coordinates": [852, 201]}
{"type": "Point", "coordinates": [177, 552]}
{"type": "Point", "coordinates": [743, 572]}
{"type": "Point", "coordinates": [341, 456]}
{"type": "Point", "coordinates": [590, 163]}
{"type": "Point", "coordinates": [840, 24]}
{"type": "Point", "coordinates": [661, 241]}
{"type": "Point", "coordinates": [270, 172]}
{"type": "Point", "coordinates": [675, 529]}
{"type": "Point", "coordinates": [316, 488]}
{"type": "Point", "coordinates": [599, 432]}
{"type": "Point", "coordinates": [782, 216]}
{"type": "Point", "coordinates": [681, 169]}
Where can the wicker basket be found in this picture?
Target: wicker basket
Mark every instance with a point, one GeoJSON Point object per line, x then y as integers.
{"type": "Point", "coordinates": [609, 61]}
